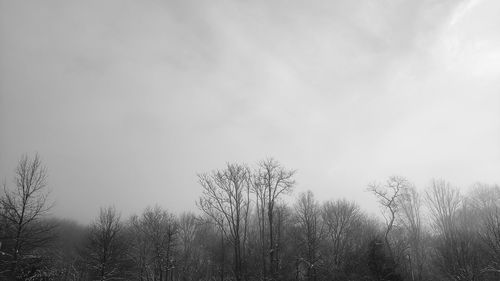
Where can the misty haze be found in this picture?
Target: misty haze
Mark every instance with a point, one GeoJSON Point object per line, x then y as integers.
{"type": "Point", "coordinates": [231, 140]}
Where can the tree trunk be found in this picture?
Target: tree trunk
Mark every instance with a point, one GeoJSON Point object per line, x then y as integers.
{"type": "Point", "coordinates": [271, 242]}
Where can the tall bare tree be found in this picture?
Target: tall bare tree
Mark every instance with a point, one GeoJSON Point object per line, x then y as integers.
{"type": "Point", "coordinates": [410, 203]}
{"type": "Point", "coordinates": [310, 233]}
{"type": "Point", "coordinates": [226, 199]}
{"type": "Point", "coordinates": [23, 207]}
{"type": "Point", "coordinates": [387, 196]}
{"type": "Point", "coordinates": [443, 202]}
{"type": "Point", "coordinates": [271, 181]}
{"type": "Point", "coordinates": [455, 230]}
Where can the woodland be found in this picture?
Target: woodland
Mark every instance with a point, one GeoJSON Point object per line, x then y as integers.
{"type": "Point", "coordinates": [250, 224]}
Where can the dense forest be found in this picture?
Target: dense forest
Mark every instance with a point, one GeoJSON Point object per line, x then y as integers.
{"type": "Point", "coordinates": [244, 229]}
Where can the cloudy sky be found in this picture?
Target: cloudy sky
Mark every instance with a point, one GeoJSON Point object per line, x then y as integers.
{"type": "Point", "coordinates": [126, 101]}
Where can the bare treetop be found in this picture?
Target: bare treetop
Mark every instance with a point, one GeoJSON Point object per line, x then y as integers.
{"type": "Point", "coordinates": [272, 178]}
{"type": "Point", "coordinates": [27, 201]}
{"type": "Point", "coordinates": [388, 195]}
{"type": "Point", "coordinates": [389, 192]}
{"type": "Point", "coordinates": [22, 207]}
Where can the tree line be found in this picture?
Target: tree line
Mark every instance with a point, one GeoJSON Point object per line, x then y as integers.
{"type": "Point", "coordinates": [245, 230]}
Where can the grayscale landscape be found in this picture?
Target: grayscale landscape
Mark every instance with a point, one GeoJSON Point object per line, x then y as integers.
{"type": "Point", "coordinates": [232, 140]}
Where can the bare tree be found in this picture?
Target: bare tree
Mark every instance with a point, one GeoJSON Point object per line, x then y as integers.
{"type": "Point", "coordinates": [189, 227]}
{"type": "Point", "coordinates": [271, 181]}
{"type": "Point", "coordinates": [105, 249]}
{"type": "Point", "coordinates": [456, 233]}
{"type": "Point", "coordinates": [160, 229]}
{"type": "Point", "coordinates": [490, 235]}
{"type": "Point", "coordinates": [139, 248]}
{"type": "Point", "coordinates": [341, 218]}
{"type": "Point", "coordinates": [23, 207]}
{"type": "Point", "coordinates": [153, 238]}
{"type": "Point", "coordinates": [310, 233]}
{"type": "Point", "coordinates": [387, 196]}
{"type": "Point", "coordinates": [226, 199]}
{"type": "Point", "coordinates": [443, 202]}
{"type": "Point", "coordinates": [410, 203]}
{"type": "Point", "coordinates": [486, 201]}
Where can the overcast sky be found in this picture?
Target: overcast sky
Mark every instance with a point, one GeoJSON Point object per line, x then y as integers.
{"type": "Point", "coordinates": [126, 101]}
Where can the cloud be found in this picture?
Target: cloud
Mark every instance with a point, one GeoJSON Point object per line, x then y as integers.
{"type": "Point", "coordinates": [142, 96]}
